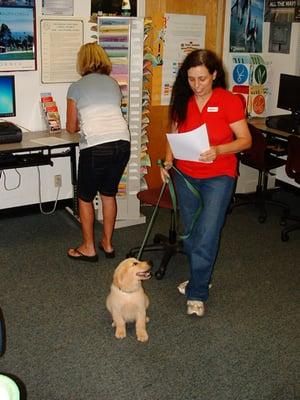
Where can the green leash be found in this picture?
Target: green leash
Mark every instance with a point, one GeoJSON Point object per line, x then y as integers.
{"type": "Point", "coordinates": [170, 184]}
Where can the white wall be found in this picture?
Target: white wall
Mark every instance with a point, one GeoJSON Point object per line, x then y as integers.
{"type": "Point", "coordinates": [29, 116]}
{"type": "Point", "coordinates": [279, 63]}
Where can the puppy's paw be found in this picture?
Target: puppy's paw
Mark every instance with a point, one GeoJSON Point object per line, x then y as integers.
{"type": "Point", "coordinates": [142, 336]}
{"type": "Point", "coordinates": [113, 324]}
{"type": "Point", "coordinates": [120, 332]}
{"type": "Point", "coordinates": [147, 319]}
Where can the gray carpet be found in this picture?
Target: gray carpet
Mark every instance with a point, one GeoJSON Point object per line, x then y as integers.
{"type": "Point", "coordinates": [61, 345]}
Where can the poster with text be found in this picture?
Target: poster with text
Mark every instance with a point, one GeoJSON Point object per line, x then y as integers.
{"type": "Point", "coordinates": [246, 25]}
{"type": "Point", "coordinates": [183, 33]}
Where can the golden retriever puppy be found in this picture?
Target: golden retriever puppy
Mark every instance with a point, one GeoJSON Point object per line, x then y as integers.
{"type": "Point", "coordinates": [127, 301]}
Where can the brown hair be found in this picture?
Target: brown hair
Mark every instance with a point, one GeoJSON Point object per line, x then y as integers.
{"type": "Point", "coordinates": [92, 57]}
{"type": "Point", "coordinates": [182, 92]}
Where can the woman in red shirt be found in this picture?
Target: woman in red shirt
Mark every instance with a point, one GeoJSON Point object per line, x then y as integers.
{"type": "Point", "coordinates": [199, 97]}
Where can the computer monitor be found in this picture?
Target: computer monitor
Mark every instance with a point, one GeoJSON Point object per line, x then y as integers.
{"type": "Point", "coordinates": [7, 96]}
{"type": "Point", "coordinates": [289, 94]}
{"type": "Point", "coordinates": [288, 99]}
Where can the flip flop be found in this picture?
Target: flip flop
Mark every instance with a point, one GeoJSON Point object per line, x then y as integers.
{"type": "Point", "coordinates": [108, 254]}
{"type": "Point", "coordinates": [83, 257]}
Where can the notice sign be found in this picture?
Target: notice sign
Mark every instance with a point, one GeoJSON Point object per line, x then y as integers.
{"type": "Point", "coordinates": [60, 42]}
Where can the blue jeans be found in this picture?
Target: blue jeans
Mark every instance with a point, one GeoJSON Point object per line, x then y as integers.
{"type": "Point", "coordinates": [203, 244]}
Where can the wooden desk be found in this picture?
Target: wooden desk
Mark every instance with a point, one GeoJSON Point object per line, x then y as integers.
{"type": "Point", "coordinates": [40, 148]}
{"type": "Point", "coordinates": [260, 123]}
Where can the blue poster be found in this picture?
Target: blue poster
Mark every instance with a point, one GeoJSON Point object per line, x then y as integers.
{"type": "Point", "coordinates": [246, 24]}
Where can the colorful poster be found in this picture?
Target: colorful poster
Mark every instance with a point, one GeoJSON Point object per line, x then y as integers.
{"type": "Point", "coordinates": [250, 81]}
{"type": "Point", "coordinates": [246, 26]}
{"type": "Point", "coordinates": [17, 37]}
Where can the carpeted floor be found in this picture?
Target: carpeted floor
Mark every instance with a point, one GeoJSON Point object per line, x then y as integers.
{"type": "Point", "coordinates": [61, 345]}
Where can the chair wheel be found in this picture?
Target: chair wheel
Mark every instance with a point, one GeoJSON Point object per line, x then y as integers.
{"type": "Point", "coordinates": [283, 222]}
{"type": "Point", "coordinates": [159, 274]}
{"type": "Point", "coordinates": [284, 237]}
{"type": "Point", "coordinates": [262, 218]}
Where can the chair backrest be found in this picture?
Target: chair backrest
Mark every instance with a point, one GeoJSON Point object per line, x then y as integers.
{"type": "Point", "coordinates": [292, 167]}
{"type": "Point", "coordinates": [151, 196]}
{"type": "Point", "coordinates": [255, 156]}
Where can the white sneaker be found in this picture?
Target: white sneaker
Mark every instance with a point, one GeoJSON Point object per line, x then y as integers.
{"type": "Point", "coordinates": [195, 307]}
{"type": "Point", "coordinates": [181, 287]}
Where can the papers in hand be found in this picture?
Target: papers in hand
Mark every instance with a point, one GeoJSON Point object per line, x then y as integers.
{"type": "Point", "coordinates": [189, 145]}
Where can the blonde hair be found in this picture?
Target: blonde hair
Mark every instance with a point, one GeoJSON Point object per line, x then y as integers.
{"type": "Point", "coordinates": [93, 58]}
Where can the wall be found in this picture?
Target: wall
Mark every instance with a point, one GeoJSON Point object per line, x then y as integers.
{"type": "Point", "coordinates": [280, 63]}
{"type": "Point", "coordinates": [28, 89]}
{"type": "Point", "coordinates": [213, 10]}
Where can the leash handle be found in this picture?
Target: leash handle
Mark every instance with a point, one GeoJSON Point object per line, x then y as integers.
{"type": "Point", "coordinates": [195, 192]}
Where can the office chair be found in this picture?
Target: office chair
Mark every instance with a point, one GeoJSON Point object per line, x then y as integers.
{"type": "Point", "coordinates": [260, 158]}
{"type": "Point", "coordinates": [168, 245]}
{"type": "Point", "coordinates": [292, 169]}
{"type": "Point", "coordinates": [2, 334]}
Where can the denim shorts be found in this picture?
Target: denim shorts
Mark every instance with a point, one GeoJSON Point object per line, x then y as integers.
{"type": "Point", "coordinates": [100, 169]}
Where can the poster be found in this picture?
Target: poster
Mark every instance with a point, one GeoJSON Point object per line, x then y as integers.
{"type": "Point", "coordinates": [126, 8]}
{"type": "Point", "coordinates": [60, 42]}
{"type": "Point", "coordinates": [246, 26]}
{"type": "Point", "coordinates": [17, 36]}
{"type": "Point", "coordinates": [184, 33]}
{"type": "Point", "coordinates": [282, 11]}
{"type": "Point", "coordinates": [250, 80]}
{"type": "Point", "coordinates": [58, 7]}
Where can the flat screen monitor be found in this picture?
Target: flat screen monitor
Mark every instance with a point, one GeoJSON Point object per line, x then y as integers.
{"type": "Point", "coordinates": [289, 93]}
{"type": "Point", "coordinates": [7, 96]}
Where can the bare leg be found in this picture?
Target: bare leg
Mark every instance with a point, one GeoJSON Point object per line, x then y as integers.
{"type": "Point", "coordinates": [87, 217]}
{"type": "Point", "coordinates": [109, 211]}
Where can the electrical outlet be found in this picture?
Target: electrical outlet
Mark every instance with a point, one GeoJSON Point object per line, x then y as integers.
{"type": "Point", "coordinates": [57, 180]}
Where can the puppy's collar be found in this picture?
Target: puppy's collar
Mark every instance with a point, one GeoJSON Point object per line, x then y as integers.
{"type": "Point", "coordinates": [125, 291]}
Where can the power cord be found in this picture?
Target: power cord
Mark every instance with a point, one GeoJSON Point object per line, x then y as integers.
{"type": "Point", "coordinates": [4, 182]}
{"type": "Point", "coordinates": [40, 197]}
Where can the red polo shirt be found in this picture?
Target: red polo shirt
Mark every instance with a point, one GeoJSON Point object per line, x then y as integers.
{"type": "Point", "coordinates": [222, 109]}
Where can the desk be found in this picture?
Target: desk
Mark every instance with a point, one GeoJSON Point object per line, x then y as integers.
{"type": "Point", "coordinates": [260, 123]}
{"type": "Point", "coordinates": [279, 136]}
{"type": "Point", "coordinates": [40, 148]}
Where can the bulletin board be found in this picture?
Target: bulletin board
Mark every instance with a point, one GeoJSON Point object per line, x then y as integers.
{"type": "Point", "coordinates": [214, 13]}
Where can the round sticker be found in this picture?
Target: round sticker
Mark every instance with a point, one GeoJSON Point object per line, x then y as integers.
{"type": "Point", "coordinates": [259, 104]}
{"type": "Point", "coordinates": [240, 73]}
{"type": "Point", "coordinates": [260, 74]}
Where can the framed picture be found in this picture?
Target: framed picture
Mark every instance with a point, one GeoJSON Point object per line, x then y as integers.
{"type": "Point", "coordinates": [17, 35]}
{"type": "Point", "coordinates": [114, 7]}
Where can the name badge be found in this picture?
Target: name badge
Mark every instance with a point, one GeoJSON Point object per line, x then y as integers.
{"type": "Point", "coordinates": [212, 109]}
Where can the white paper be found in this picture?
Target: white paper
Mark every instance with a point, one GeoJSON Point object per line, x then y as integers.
{"type": "Point", "coordinates": [189, 145]}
